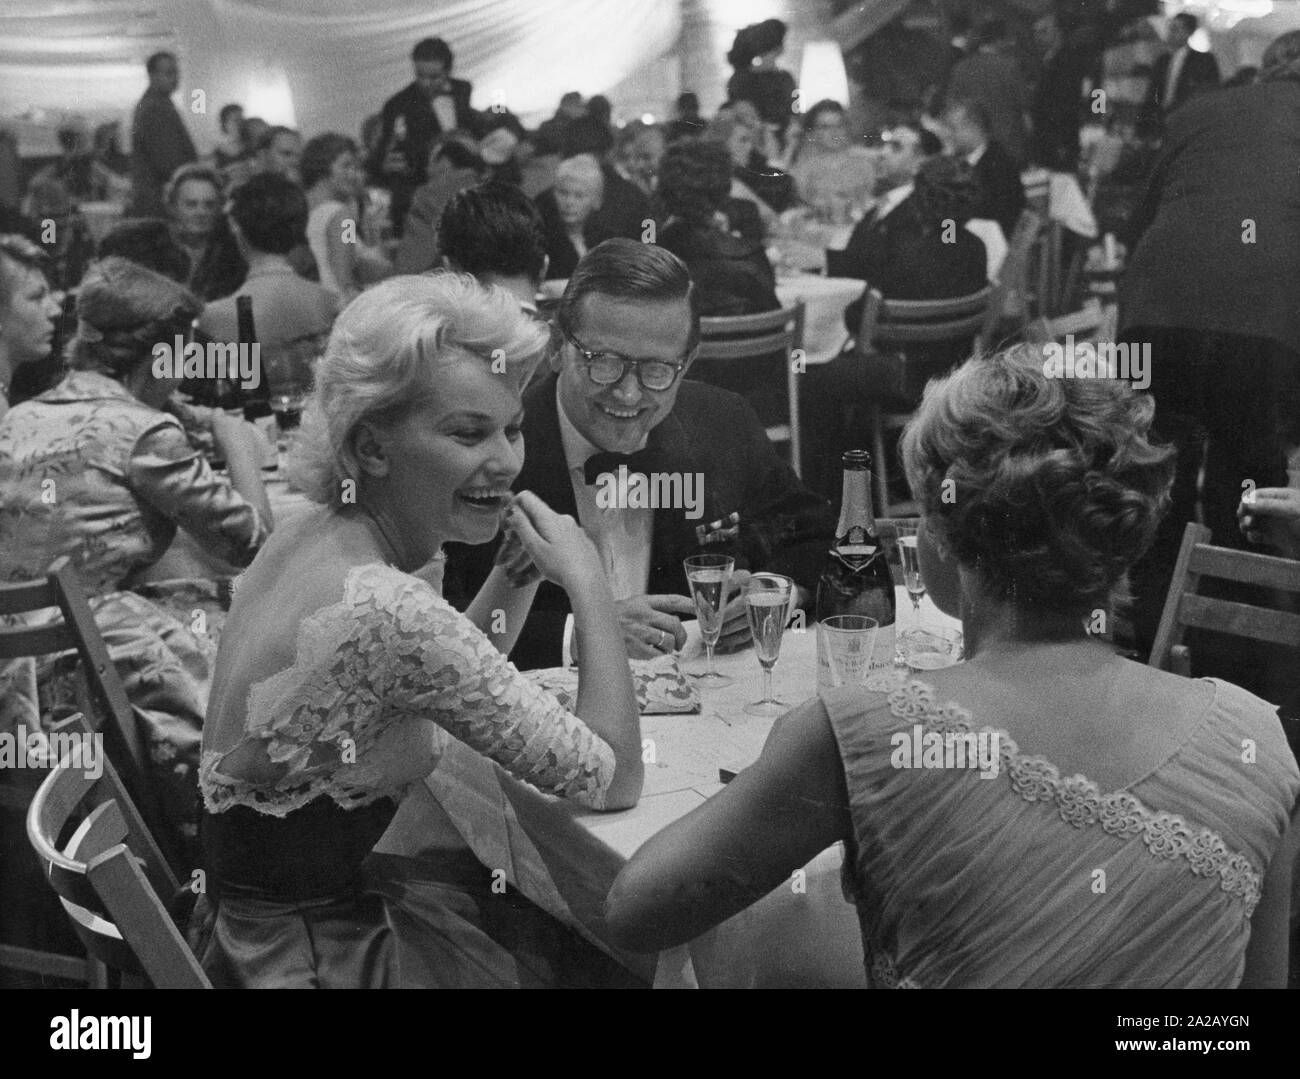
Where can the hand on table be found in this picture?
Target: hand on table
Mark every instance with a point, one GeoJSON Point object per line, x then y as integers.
{"type": "Point", "coordinates": [1272, 515]}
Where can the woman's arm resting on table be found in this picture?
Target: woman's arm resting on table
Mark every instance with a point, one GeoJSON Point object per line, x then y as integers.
{"type": "Point", "coordinates": [743, 842]}
{"type": "Point", "coordinates": [1268, 952]}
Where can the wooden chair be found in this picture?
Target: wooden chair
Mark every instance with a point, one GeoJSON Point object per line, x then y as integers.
{"type": "Point", "coordinates": [743, 337]}
{"type": "Point", "coordinates": [100, 692]}
{"type": "Point", "coordinates": [1012, 296]}
{"type": "Point", "coordinates": [110, 876]}
{"type": "Point", "coordinates": [1185, 609]}
{"type": "Point", "coordinates": [887, 328]}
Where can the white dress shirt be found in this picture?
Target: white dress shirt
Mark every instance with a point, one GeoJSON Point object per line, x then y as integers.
{"type": "Point", "coordinates": [890, 200]}
{"type": "Point", "coordinates": [444, 108]}
{"type": "Point", "coordinates": [622, 536]}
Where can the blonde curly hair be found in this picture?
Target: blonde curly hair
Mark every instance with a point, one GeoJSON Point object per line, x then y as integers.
{"type": "Point", "coordinates": [1049, 488]}
{"type": "Point", "coordinates": [377, 364]}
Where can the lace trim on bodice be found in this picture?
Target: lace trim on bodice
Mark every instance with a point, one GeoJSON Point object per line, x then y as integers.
{"type": "Point", "coordinates": [392, 650]}
{"type": "Point", "coordinates": [1081, 803]}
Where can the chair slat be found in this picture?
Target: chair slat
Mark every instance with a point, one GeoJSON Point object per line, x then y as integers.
{"type": "Point", "coordinates": [889, 333]}
{"type": "Point", "coordinates": [1247, 567]}
{"type": "Point", "coordinates": [49, 964]}
{"type": "Point", "coordinates": [764, 321]}
{"type": "Point", "coordinates": [918, 310]}
{"type": "Point", "coordinates": [1240, 619]}
{"type": "Point", "coordinates": [26, 596]}
{"type": "Point", "coordinates": [749, 347]}
{"type": "Point", "coordinates": [19, 641]}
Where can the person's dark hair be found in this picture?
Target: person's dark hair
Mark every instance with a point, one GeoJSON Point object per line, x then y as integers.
{"type": "Point", "coordinates": [492, 230]}
{"type": "Point", "coordinates": [695, 179]}
{"type": "Point", "coordinates": [946, 188]}
{"type": "Point", "coordinates": [319, 155]}
{"type": "Point", "coordinates": [599, 108]}
{"type": "Point", "coordinates": [69, 138]}
{"type": "Point", "coordinates": [1049, 488]}
{"type": "Point", "coordinates": [271, 212]}
{"type": "Point", "coordinates": [624, 269]}
{"type": "Point", "coordinates": [976, 112]}
{"type": "Point", "coordinates": [123, 310]}
{"type": "Point", "coordinates": [269, 136]}
{"type": "Point", "coordinates": [752, 41]}
{"type": "Point", "coordinates": [432, 50]}
{"type": "Point", "coordinates": [151, 65]}
{"type": "Point", "coordinates": [193, 170]}
{"type": "Point", "coordinates": [570, 97]}
{"type": "Point", "coordinates": [1282, 58]}
{"type": "Point", "coordinates": [227, 111]}
{"type": "Point", "coordinates": [927, 141]}
{"type": "Point", "coordinates": [688, 106]}
{"type": "Point", "coordinates": [1190, 22]}
{"type": "Point", "coordinates": [147, 241]}
{"type": "Point", "coordinates": [825, 105]}
{"type": "Point", "coordinates": [18, 250]}
{"type": "Point", "coordinates": [458, 155]}
{"type": "Point", "coordinates": [990, 31]}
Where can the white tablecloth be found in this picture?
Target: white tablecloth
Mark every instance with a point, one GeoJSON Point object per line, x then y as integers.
{"type": "Point", "coordinates": [825, 299]}
{"type": "Point", "coordinates": [565, 858]}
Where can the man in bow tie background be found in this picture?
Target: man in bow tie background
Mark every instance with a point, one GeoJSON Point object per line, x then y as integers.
{"type": "Point", "coordinates": [628, 328]}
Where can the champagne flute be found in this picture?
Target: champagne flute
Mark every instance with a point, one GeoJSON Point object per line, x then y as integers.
{"type": "Point", "coordinates": [909, 555]}
{"type": "Point", "coordinates": [708, 575]}
{"type": "Point", "coordinates": [767, 605]}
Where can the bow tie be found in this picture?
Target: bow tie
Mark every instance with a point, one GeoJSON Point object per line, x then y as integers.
{"type": "Point", "coordinates": [643, 461]}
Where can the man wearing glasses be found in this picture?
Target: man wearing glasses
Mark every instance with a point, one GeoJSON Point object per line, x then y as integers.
{"type": "Point", "coordinates": [627, 330]}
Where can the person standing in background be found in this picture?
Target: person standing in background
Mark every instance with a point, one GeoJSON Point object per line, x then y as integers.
{"type": "Point", "coordinates": [433, 104]}
{"type": "Point", "coordinates": [1054, 113]}
{"type": "Point", "coordinates": [770, 89]}
{"type": "Point", "coordinates": [1209, 294]}
{"type": "Point", "coordinates": [1181, 73]}
{"type": "Point", "coordinates": [990, 75]}
{"type": "Point", "coordinates": [160, 143]}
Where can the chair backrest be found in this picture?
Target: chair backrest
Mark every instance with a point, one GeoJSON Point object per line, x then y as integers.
{"type": "Point", "coordinates": [109, 874]}
{"type": "Point", "coordinates": [1011, 296]}
{"type": "Point", "coordinates": [75, 629]}
{"type": "Point", "coordinates": [1185, 609]}
{"type": "Point", "coordinates": [741, 337]}
{"type": "Point", "coordinates": [1092, 323]}
{"type": "Point", "coordinates": [904, 322]}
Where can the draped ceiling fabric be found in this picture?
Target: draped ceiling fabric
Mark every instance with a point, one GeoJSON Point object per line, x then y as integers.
{"type": "Point", "coordinates": [326, 64]}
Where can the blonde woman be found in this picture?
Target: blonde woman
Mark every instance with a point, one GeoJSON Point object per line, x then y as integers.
{"type": "Point", "coordinates": [343, 673]}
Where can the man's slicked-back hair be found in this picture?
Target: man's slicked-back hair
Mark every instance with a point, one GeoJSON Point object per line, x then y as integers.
{"type": "Point", "coordinates": [432, 49]}
{"type": "Point", "coordinates": [1190, 21]}
{"type": "Point", "coordinates": [151, 65]}
{"type": "Point", "coordinates": [493, 230]}
{"type": "Point", "coordinates": [271, 212]}
{"type": "Point", "coordinates": [624, 269]}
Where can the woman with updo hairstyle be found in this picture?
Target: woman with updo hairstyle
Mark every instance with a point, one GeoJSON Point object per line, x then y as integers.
{"type": "Point", "coordinates": [344, 676]}
{"type": "Point", "coordinates": [100, 470]}
{"type": "Point", "coordinates": [757, 79]}
{"type": "Point", "coordinates": [1109, 834]}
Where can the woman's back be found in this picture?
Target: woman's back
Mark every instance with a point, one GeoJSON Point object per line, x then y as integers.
{"type": "Point", "coordinates": [1061, 841]}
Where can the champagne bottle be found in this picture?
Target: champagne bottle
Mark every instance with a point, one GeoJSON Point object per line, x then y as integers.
{"type": "Point", "coordinates": [256, 401]}
{"type": "Point", "coordinates": [856, 579]}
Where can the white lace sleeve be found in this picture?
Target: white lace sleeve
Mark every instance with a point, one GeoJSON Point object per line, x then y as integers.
{"type": "Point", "coordinates": [440, 666]}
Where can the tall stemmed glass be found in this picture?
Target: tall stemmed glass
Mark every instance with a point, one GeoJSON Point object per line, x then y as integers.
{"type": "Point", "coordinates": [908, 554]}
{"type": "Point", "coordinates": [767, 604]}
{"type": "Point", "coordinates": [708, 576]}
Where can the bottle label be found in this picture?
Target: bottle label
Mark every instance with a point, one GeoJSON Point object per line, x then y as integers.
{"type": "Point", "coordinates": [855, 555]}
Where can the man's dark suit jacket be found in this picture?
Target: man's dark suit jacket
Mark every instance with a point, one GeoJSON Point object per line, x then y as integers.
{"type": "Point", "coordinates": [160, 144]}
{"type": "Point", "coordinates": [1229, 158]}
{"type": "Point", "coordinates": [1055, 111]}
{"type": "Point", "coordinates": [784, 527]}
{"type": "Point", "coordinates": [1200, 73]}
{"type": "Point", "coordinates": [907, 260]}
{"type": "Point", "coordinates": [422, 127]}
{"type": "Point", "coordinates": [1002, 195]}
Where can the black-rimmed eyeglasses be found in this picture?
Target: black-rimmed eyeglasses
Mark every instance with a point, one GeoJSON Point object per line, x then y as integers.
{"type": "Point", "coordinates": [610, 368]}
